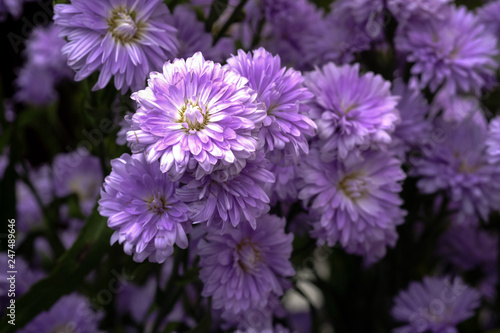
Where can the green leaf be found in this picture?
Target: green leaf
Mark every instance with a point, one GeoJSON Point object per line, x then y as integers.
{"type": "Point", "coordinates": [71, 269]}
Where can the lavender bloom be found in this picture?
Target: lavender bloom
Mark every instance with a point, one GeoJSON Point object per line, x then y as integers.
{"type": "Point", "coordinates": [125, 39]}
{"type": "Point", "coordinates": [356, 201]}
{"type": "Point", "coordinates": [45, 67]}
{"type": "Point", "coordinates": [72, 313]}
{"type": "Point", "coordinates": [489, 15]}
{"type": "Point", "coordinates": [414, 128]}
{"type": "Point", "coordinates": [469, 247]}
{"type": "Point", "coordinates": [12, 7]}
{"type": "Point", "coordinates": [403, 10]}
{"type": "Point", "coordinates": [194, 115]}
{"type": "Point", "coordinates": [141, 205]}
{"type": "Point", "coordinates": [351, 110]}
{"type": "Point", "coordinates": [28, 208]}
{"type": "Point", "coordinates": [285, 188]}
{"type": "Point", "coordinates": [242, 269]}
{"type": "Point", "coordinates": [79, 173]}
{"type": "Point", "coordinates": [286, 125]}
{"type": "Point", "coordinates": [230, 195]}
{"type": "Point", "coordinates": [435, 305]}
{"type": "Point", "coordinates": [493, 141]}
{"type": "Point", "coordinates": [453, 107]}
{"type": "Point", "coordinates": [459, 166]}
{"type": "Point", "coordinates": [456, 52]}
{"type": "Point", "coordinates": [193, 38]}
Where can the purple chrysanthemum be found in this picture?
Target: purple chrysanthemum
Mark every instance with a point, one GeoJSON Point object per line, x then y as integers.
{"type": "Point", "coordinates": [356, 201]}
{"type": "Point", "coordinates": [79, 173]}
{"type": "Point", "coordinates": [193, 37]}
{"type": "Point", "coordinates": [194, 115]}
{"type": "Point", "coordinates": [286, 126]}
{"type": "Point", "coordinates": [456, 51]}
{"type": "Point", "coordinates": [244, 268]}
{"type": "Point", "coordinates": [403, 10]}
{"type": "Point", "coordinates": [126, 39]}
{"type": "Point", "coordinates": [493, 141]}
{"type": "Point", "coordinates": [45, 66]}
{"type": "Point", "coordinates": [435, 305]}
{"type": "Point", "coordinates": [142, 207]}
{"type": "Point", "coordinates": [414, 128]}
{"type": "Point", "coordinates": [458, 164]}
{"type": "Point", "coordinates": [454, 107]}
{"type": "Point", "coordinates": [469, 247]}
{"type": "Point", "coordinates": [351, 110]}
{"type": "Point", "coordinates": [230, 195]}
{"type": "Point", "coordinates": [71, 313]}
{"type": "Point", "coordinates": [489, 15]}
{"type": "Point", "coordinates": [285, 188]}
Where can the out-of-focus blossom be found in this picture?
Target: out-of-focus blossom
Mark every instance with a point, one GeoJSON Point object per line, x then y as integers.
{"type": "Point", "coordinates": [435, 305]}
{"type": "Point", "coordinates": [78, 173]}
{"type": "Point", "coordinates": [194, 115]}
{"type": "Point", "coordinates": [244, 268]}
{"type": "Point", "coordinates": [356, 201]}
{"type": "Point", "coordinates": [403, 10]}
{"type": "Point", "coordinates": [71, 313]}
{"type": "Point", "coordinates": [121, 39]}
{"type": "Point", "coordinates": [45, 67]}
{"type": "Point", "coordinates": [489, 15]}
{"type": "Point", "coordinates": [493, 141]}
{"type": "Point", "coordinates": [141, 205]}
{"type": "Point", "coordinates": [456, 52]}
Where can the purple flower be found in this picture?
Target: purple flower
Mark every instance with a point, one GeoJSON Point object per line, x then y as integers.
{"type": "Point", "coordinates": [71, 313]}
{"type": "Point", "coordinates": [79, 173]}
{"type": "Point", "coordinates": [414, 128]}
{"type": "Point", "coordinates": [29, 212]}
{"type": "Point", "coordinates": [435, 305]}
{"type": "Point", "coordinates": [193, 38]}
{"type": "Point", "coordinates": [44, 68]}
{"type": "Point", "coordinates": [194, 115]}
{"type": "Point", "coordinates": [243, 269]}
{"type": "Point", "coordinates": [12, 7]}
{"type": "Point", "coordinates": [286, 125]}
{"type": "Point", "coordinates": [458, 165]}
{"type": "Point", "coordinates": [230, 195]}
{"type": "Point", "coordinates": [454, 108]}
{"type": "Point", "coordinates": [351, 110]}
{"type": "Point", "coordinates": [403, 10]}
{"type": "Point", "coordinates": [285, 188]}
{"type": "Point", "coordinates": [493, 141]}
{"type": "Point", "coordinates": [469, 247]}
{"type": "Point", "coordinates": [456, 52]}
{"type": "Point", "coordinates": [489, 15]}
{"type": "Point", "coordinates": [355, 200]}
{"type": "Point", "coordinates": [142, 207]}
{"type": "Point", "coordinates": [125, 39]}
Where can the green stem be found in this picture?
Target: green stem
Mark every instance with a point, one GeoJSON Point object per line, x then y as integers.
{"type": "Point", "coordinates": [230, 21]}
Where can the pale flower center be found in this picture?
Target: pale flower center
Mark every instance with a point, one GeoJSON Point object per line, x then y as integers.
{"type": "Point", "coordinates": [157, 204]}
{"type": "Point", "coordinates": [123, 26]}
{"type": "Point", "coordinates": [353, 185]}
{"type": "Point", "coordinates": [193, 116]}
{"type": "Point", "coordinates": [249, 255]}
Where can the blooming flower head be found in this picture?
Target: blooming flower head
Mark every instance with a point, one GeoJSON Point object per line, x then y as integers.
{"type": "Point", "coordinates": [194, 115]}
{"type": "Point", "coordinates": [456, 51]}
{"type": "Point", "coordinates": [242, 269]}
{"type": "Point", "coordinates": [489, 15]}
{"type": "Point", "coordinates": [414, 128]}
{"type": "Point", "coordinates": [351, 110]}
{"type": "Point", "coordinates": [71, 313]}
{"type": "Point", "coordinates": [141, 206]}
{"type": "Point", "coordinates": [230, 196]}
{"type": "Point", "coordinates": [356, 201]}
{"type": "Point", "coordinates": [435, 305]}
{"type": "Point", "coordinates": [125, 39]}
{"type": "Point", "coordinates": [79, 173]}
{"type": "Point", "coordinates": [45, 66]}
{"type": "Point", "coordinates": [286, 125]}
{"type": "Point", "coordinates": [459, 166]}
{"type": "Point", "coordinates": [403, 10]}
